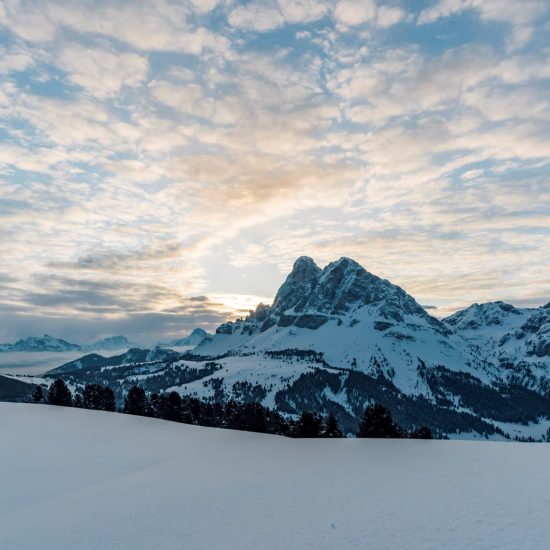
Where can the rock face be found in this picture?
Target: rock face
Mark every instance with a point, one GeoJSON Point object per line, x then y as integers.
{"type": "Point", "coordinates": [311, 296]}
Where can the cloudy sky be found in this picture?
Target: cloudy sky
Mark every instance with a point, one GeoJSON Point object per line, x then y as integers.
{"type": "Point", "coordinates": [163, 163]}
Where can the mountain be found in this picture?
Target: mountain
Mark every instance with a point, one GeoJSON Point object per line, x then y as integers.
{"type": "Point", "coordinates": [111, 343]}
{"type": "Point", "coordinates": [40, 343]}
{"type": "Point", "coordinates": [515, 339]}
{"type": "Point", "coordinates": [95, 362]}
{"type": "Point", "coordinates": [196, 337]}
{"type": "Point", "coordinates": [49, 343]}
{"type": "Point", "coordinates": [354, 318]}
{"type": "Point", "coordinates": [337, 338]}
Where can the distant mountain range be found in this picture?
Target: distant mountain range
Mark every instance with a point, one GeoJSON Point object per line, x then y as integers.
{"type": "Point", "coordinates": [111, 343]}
{"type": "Point", "coordinates": [196, 337]}
{"type": "Point", "coordinates": [338, 338]}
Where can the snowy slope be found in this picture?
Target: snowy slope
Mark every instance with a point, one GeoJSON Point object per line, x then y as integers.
{"type": "Point", "coordinates": [111, 481]}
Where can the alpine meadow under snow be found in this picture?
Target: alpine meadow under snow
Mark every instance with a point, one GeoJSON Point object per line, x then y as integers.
{"type": "Point", "coordinates": [86, 479]}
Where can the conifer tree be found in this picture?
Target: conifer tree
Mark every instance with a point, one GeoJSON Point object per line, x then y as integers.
{"type": "Point", "coordinates": [109, 401]}
{"type": "Point", "coordinates": [332, 428]}
{"type": "Point", "coordinates": [253, 418]}
{"type": "Point", "coordinates": [309, 425]}
{"type": "Point", "coordinates": [136, 401]}
{"type": "Point", "coordinates": [98, 397]}
{"type": "Point", "coordinates": [378, 422]}
{"type": "Point", "coordinates": [171, 407]}
{"type": "Point", "coordinates": [59, 394]}
{"type": "Point", "coordinates": [37, 394]}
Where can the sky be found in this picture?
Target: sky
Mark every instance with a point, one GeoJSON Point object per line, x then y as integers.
{"type": "Point", "coordinates": [162, 164]}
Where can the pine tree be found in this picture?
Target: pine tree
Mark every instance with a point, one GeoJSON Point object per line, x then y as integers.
{"type": "Point", "coordinates": [136, 401]}
{"type": "Point", "coordinates": [171, 407]}
{"type": "Point", "coordinates": [59, 394]}
{"type": "Point", "coordinates": [37, 394]}
{"type": "Point", "coordinates": [309, 425]}
{"type": "Point", "coordinates": [97, 397]}
{"type": "Point", "coordinates": [253, 418]}
{"type": "Point", "coordinates": [377, 422]}
{"type": "Point", "coordinates": [332, 428]}
{"type": "Point", "coordinates": [109, 400]}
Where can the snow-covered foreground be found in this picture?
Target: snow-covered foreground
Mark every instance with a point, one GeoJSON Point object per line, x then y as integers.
{"type": "Point", "coordinates": [81, 479]}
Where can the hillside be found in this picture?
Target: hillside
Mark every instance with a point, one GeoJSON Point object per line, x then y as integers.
{"type": "Point", "coordinates": [103, 480]}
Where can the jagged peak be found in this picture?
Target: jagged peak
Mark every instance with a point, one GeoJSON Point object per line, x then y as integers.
{"type": "Point", "coordinates": [299, 283]}
{"type": "Point", "coordinates": [304, 261]}
{"type": "Point", "coordinates": [346, 263]}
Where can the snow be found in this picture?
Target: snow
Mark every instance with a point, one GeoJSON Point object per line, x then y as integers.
{"type": "Point", "coordinates": [84, 479]}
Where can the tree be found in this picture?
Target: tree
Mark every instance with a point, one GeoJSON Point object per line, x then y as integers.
{"type": "Point", "coordinates": [378, 422]}
{"type": "Point", "coordinates": [170, 407]}
{"type": "Point", "coordinates": [136, 401]}
{"type": "Point", "coordinates": [97, 397]}
{"type": "Point", "coordinates": [422, 433]}
{"type": "Point", "coordinates": [332, 428]}
{"type": "Point", "coordinates": [109, 401]}
{"type": "Point", "coordinates": [37, 394]}
{"type": "Point", "coordinates": [59, 394]}
{"type": "Point", "coordinates": [309, 425]}
{"type": "Point", "coordinates": [253, 418]}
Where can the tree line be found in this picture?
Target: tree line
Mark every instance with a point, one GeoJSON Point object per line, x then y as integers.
{"type": "Point", "coordinates": [376, 422]}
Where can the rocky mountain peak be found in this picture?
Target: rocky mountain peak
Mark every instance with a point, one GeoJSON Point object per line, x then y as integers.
{"type": "Point", "coordinates": [297, 287]}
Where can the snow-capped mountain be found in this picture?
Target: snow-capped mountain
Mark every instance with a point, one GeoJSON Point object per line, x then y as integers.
{"type": "Point", "coordinates": [504, 331]}
{"type": "Point", "coordinates": [515, 339]}
{"type": "Point", "coordinates": [111, 343]}
{"type": "Point", "coordinates": [40, 343]}
{"type": "Point", "coordinates": [50, 343]}
{"type": "Point", "coordinates": [338, 338]}
{"type": "Point", "coordinates": [196, 337]}
{"type": "Point", "coordinates": [355, 319]}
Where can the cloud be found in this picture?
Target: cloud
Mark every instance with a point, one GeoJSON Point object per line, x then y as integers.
{"type": "Point", "coordinates": [173, 158]}
{"type": "Point", "coordinates": [497, 10]}
{"type": "Point", "coordinates": [387, 16]}
{"type": "Point", "coordinates": [303, 11]}
{"type": "Point", "coordinates": [355, 12]}
{"type": "Point", "coordinates": [256, 16]}
{"type": "Point", "coordinates": [521, 15]}
{"type": "Point", "coordinates": [102, 72]}
{"type": "Point", "coordinates": [157, 26]}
